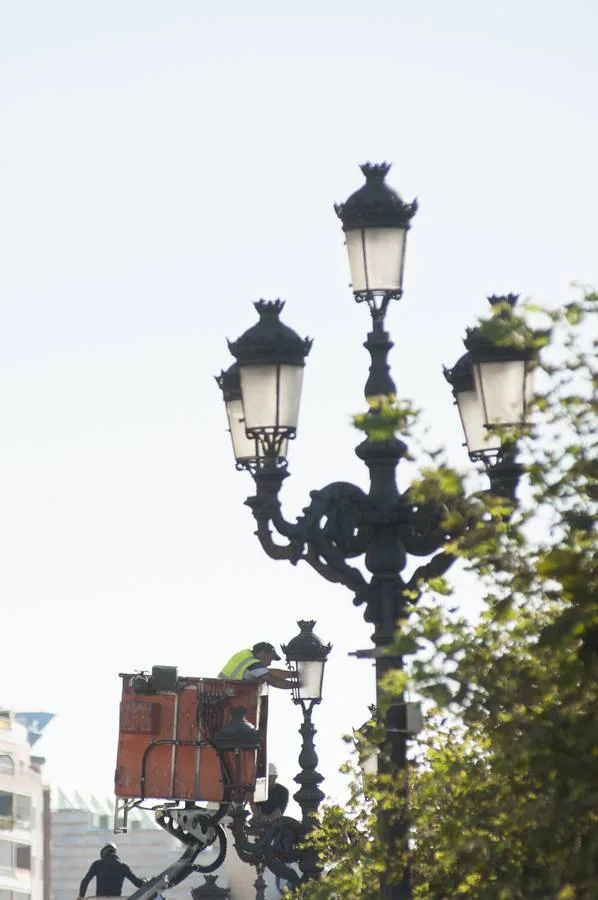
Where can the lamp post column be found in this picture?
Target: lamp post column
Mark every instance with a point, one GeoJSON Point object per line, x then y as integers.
{"type": "Point", "coordinates": [309, 796]}
{"type": "Point", "coordinates": [386, 607]}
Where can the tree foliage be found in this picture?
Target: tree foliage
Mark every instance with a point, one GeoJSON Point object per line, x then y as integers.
{"type": "Point", "coordinates": [503, 796]}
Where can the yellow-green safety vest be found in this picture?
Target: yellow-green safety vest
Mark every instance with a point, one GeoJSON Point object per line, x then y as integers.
{"type": "Point", "coordinates": [238, 665]}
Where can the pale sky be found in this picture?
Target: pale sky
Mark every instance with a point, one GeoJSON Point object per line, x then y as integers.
{"type": "Point", "coordinates": [163, 165]}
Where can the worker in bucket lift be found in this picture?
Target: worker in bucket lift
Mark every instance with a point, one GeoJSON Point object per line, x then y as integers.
{"type": "Point", "coordinates": [109, 873]}
{"type": "Point", "coordinates": [274, 807]}
{"type": "Point", "coordinates": [253, 665]}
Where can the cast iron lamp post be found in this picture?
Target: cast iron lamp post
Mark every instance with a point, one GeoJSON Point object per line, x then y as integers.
{"type": "Point", "coordinates": [342, 522]}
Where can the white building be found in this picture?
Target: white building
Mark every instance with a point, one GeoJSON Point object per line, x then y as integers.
{"type": "Point", "coordinates": [21, 815]}
{"type": "Point", "coordinates": [82, 824]}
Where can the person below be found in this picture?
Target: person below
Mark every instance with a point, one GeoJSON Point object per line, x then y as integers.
{"type": "Point", "coordinates": [109, 873]}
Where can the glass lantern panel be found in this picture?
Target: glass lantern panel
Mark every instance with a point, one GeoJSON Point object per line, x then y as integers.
{"type": "Point", "coordinates": [501, 387]}
{"type": "Point", "coordinates": [259, 390]}
{"type": "Point", "coordinates": [291, 382]}
{"type": "Point", "coordinates": [311, 674]}
{"type": "Point", "coordinates": [376, 257]}
{"type": "Point", "coordinates": [271, 396]}
{"type": "Point", "coordinates": [243, 447]}
{"type": "Point", "coordinates": [477, 437]}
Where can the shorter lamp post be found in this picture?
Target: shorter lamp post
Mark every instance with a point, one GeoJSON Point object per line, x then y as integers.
{"type": "Point", "coordinates": [492, 385]}
{"type": "Point", "coordinates": [306, 655]}
{"type": "Point", "coordinates": [277, 845]}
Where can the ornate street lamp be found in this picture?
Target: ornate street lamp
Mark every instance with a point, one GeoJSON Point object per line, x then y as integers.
{"type": "Point", "coordinates": [342, 522]}
{"type": "Point", "coordinates": [376, 221]}
{"type": "Point", "coordinates": [492, 386]}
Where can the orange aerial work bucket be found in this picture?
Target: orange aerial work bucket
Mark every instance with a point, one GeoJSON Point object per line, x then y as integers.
{"type": "Point", "coordinates": [166, 731]}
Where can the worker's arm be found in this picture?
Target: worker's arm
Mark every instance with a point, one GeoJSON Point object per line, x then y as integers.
{"type": "Point", "coordinates": [85, 883]}
{"type": "Point", "coordinates": [283, 673]}
{"type": "Point", "coordinates": [278, 682]}
{"type": "Point", "coordinates": [128, 874]}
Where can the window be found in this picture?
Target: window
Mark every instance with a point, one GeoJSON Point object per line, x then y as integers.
{"type": "Point", "coordinates": [100, 822]}
{"type": "Point", "coordinates": [23, 856]}
{"type": "Point", "coordinates": [23, 811]}
{"type": "Point", "coordinates": [6, 856]}
{"type": "Point", "coordinates": [6, 809]}
{"type": "Point", "coordinates": [6, 764]}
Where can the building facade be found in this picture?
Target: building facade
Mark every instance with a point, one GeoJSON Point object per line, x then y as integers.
{"type": "Point", "coordinates": [80, 826]}
{"type": "Point", "coordinates": [22, 858]}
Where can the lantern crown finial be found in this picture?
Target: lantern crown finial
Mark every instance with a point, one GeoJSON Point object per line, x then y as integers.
{"type": "Point", "coordinates": [269, 308]}
{"type": "Point", "coordinates": [375, 171]}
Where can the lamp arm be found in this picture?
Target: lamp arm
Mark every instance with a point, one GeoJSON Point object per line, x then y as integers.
{"type": "Point", "coordinates": [349, 576]}
{"type": "Point", "coordinates": [328, 533]}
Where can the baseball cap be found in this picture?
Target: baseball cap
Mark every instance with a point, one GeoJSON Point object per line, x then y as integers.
{"type": "Point", "coordinates": [265, 645]}
{"type": "Point", "coordinates": [272, 770]}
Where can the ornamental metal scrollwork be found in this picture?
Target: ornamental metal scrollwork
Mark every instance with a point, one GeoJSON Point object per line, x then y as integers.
{"type": "Point", "coordinates": [334, 519]}
{"type": "Point", "coordinates": [330, 530]}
